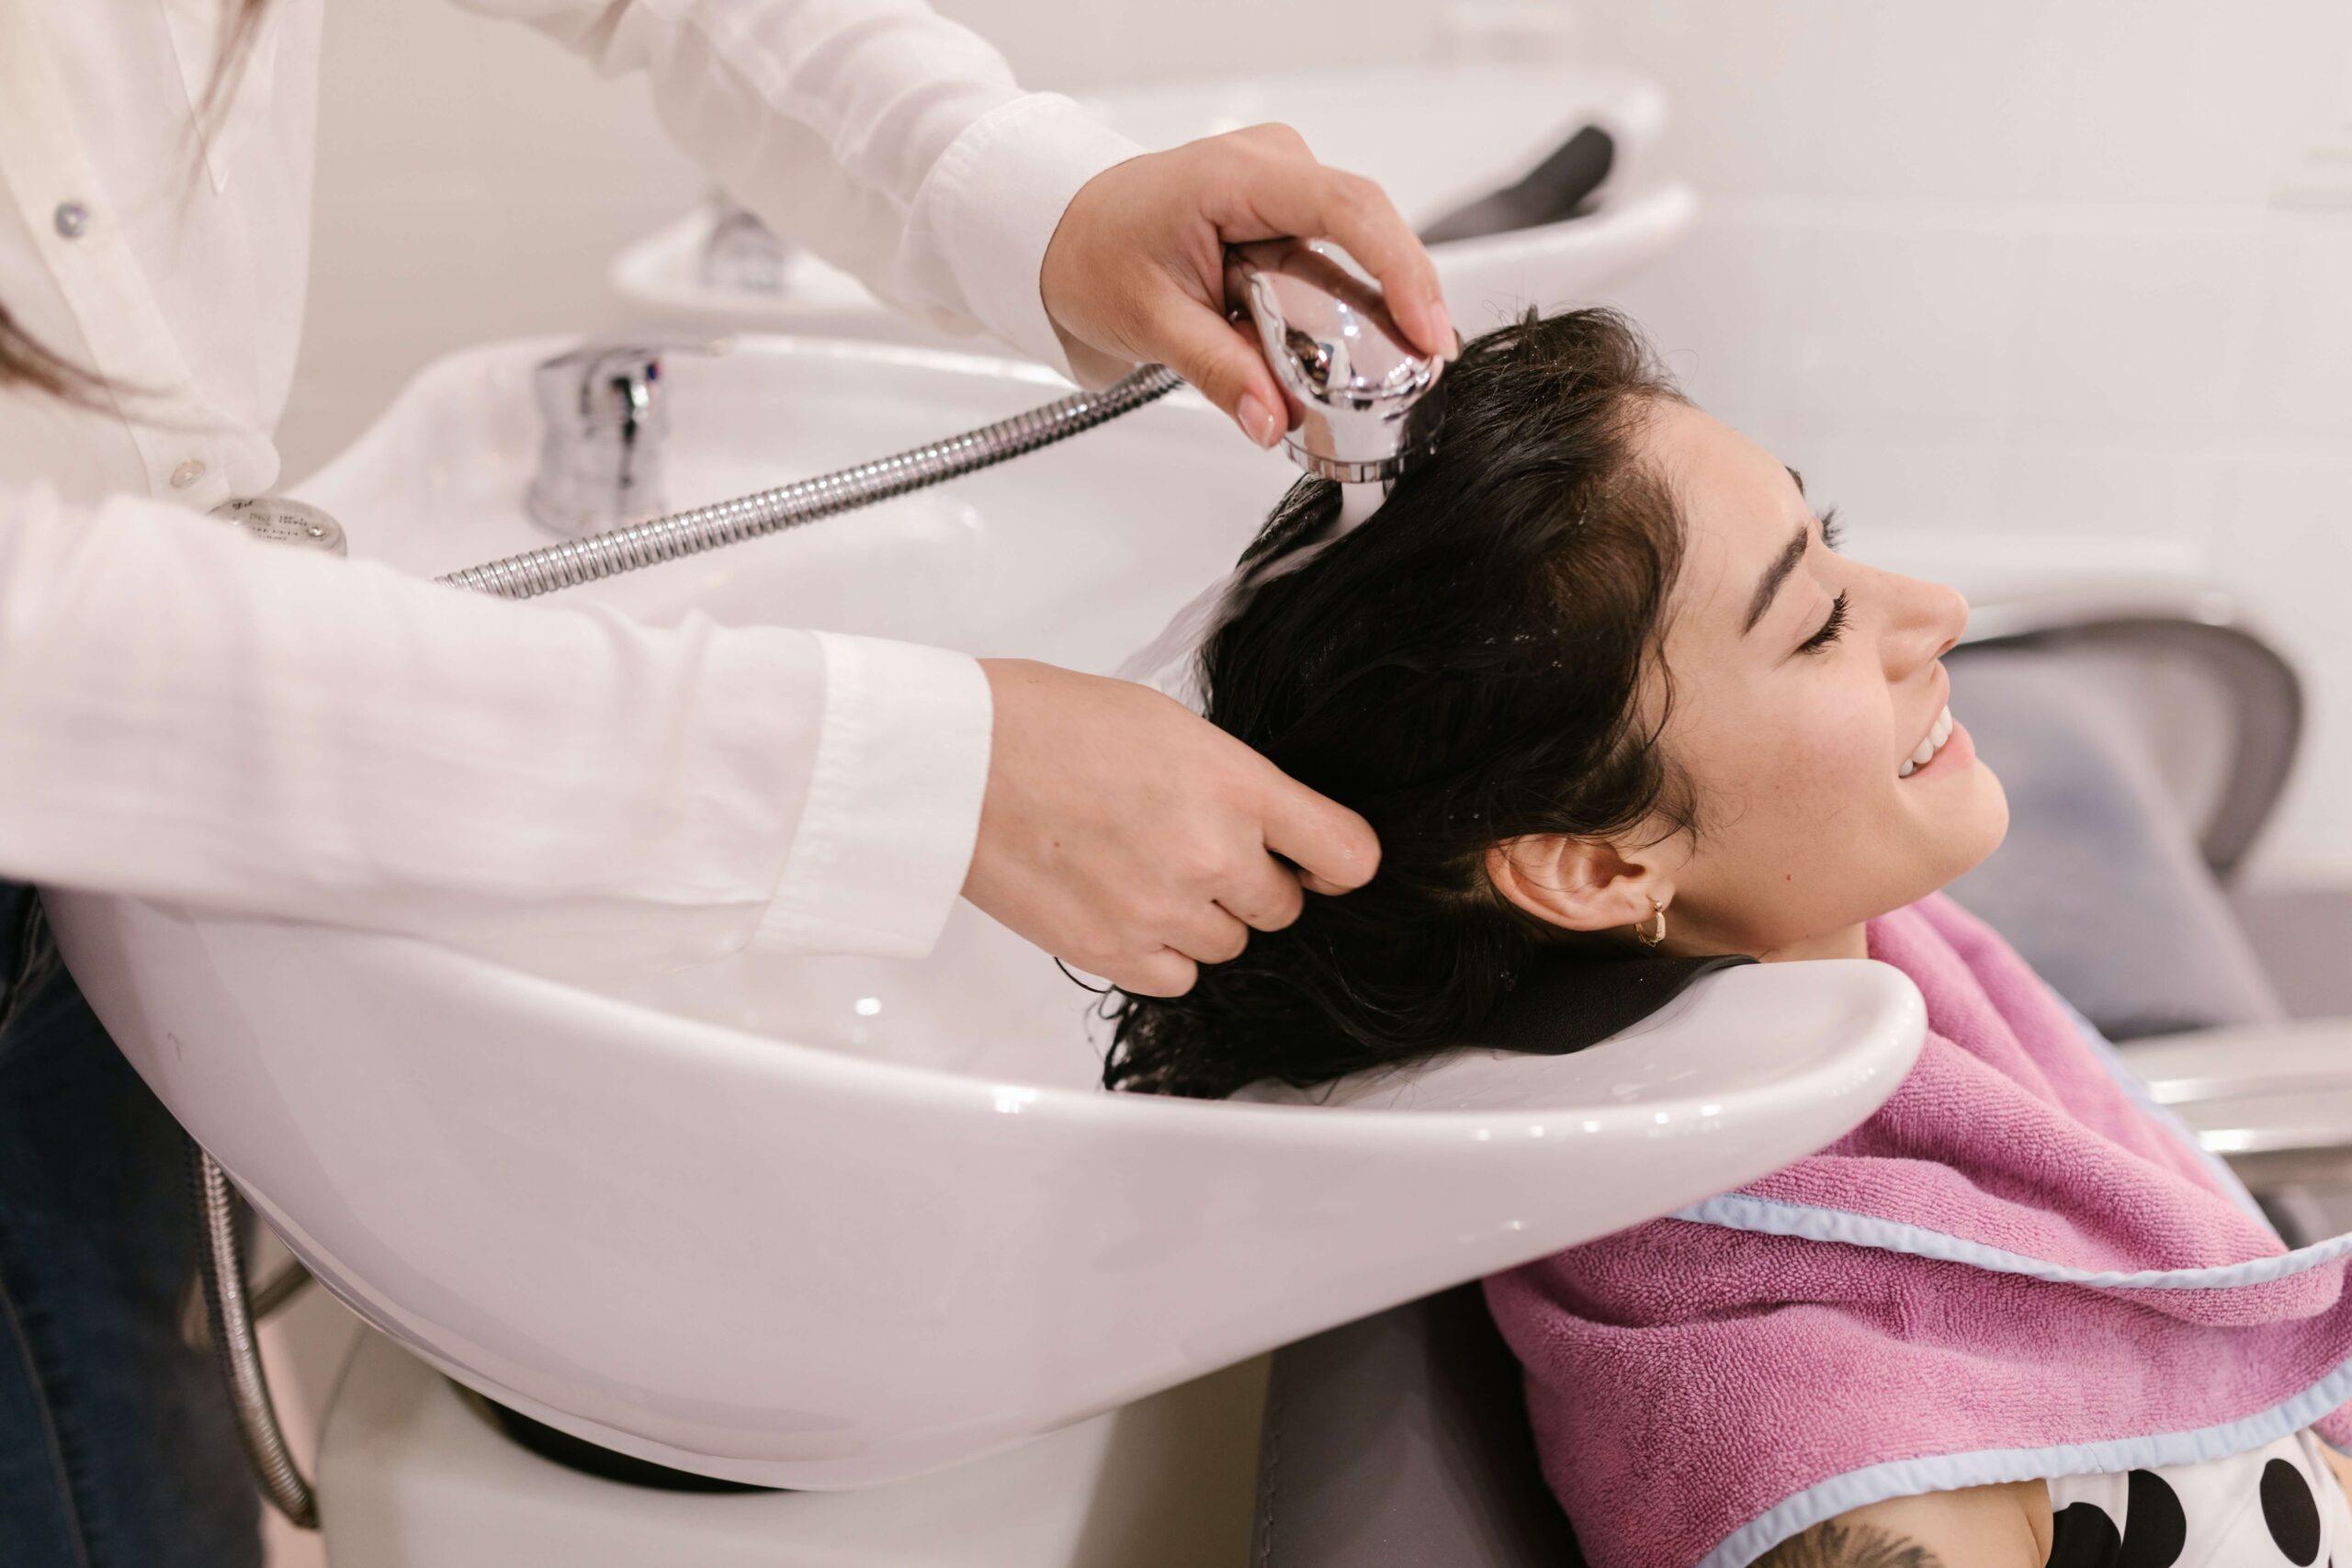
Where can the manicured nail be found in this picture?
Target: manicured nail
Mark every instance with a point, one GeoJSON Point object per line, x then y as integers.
{"type": "Point", "coordinates": [1445, 331]}
{"type": "Point", "coordinates": [1257, 421]}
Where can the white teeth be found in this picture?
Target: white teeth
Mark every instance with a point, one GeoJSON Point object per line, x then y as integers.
{"type": "Point", "coordinates": [1937, 734]}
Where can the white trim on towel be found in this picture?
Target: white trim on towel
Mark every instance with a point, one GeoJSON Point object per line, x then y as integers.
{"type": "Point", "coordinates": [1772, 1216]}
{"type": "Point", "coordinates": [1943, 1472]}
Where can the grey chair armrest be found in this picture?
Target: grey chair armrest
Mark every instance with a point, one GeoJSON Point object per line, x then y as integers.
{"type": "Point", "coordinates": [2101, 883]}
{"type": "Point", "coordinates": [2275, 1099]}
{"type": "Point", "coordinates": [1400, 1440]}
{"type": "Point", "coordinates": [2221, 709]}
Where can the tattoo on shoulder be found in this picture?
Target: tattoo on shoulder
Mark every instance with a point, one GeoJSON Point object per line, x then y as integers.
{"type": "Point", "coordinates": [1831, 1544]}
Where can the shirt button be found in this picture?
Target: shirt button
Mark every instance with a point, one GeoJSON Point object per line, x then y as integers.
{"type": "Point", "coordinates": [186, 474]}
{"type": "Point", "coordinates": [73, 220]}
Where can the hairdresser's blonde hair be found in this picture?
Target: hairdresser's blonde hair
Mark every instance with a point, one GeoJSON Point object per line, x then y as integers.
{"type": "Point", "coordinates": [25, 361]}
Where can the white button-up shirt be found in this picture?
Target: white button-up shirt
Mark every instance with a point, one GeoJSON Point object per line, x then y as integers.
{"type": "Point", "coordinates": [188, 714]}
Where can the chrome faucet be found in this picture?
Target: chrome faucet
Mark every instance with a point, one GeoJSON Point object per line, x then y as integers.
{"type": "Point", "coordinates": [603, 419]}
{"type": "Point", "coordinates": [741, 251]}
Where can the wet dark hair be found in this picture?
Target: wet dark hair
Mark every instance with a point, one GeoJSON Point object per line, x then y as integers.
{"type": "Point", "coordinates": [1464, 669]}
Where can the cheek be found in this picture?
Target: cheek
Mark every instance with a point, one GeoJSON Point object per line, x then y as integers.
{"type": "Point", "coordinates": [1802, 761]}
{"type": "Point", "coordinates": [1798, 804]}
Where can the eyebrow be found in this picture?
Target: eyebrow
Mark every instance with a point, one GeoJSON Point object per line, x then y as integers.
{"type": "Point", "coordinates": [1775, 575]}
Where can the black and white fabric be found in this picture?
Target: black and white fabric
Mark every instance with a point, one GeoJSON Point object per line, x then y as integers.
{"type": "Point", "coordinates": [2266, 1507]}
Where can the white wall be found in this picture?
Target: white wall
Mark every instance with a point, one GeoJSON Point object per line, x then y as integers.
{"type": "Point", "coordinates": [2074, 274]}
{"type": "Point", "coordinates": [474, 182]}
{"type": "Point", "coordinates": [2078, 277]}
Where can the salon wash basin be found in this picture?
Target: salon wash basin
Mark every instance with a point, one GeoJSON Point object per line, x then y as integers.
{"type": "Point", "coordinates": [1450, 134]}
{"type": "Point", "coordinates": [826, 1223]}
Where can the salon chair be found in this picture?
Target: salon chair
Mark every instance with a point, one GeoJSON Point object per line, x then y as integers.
{"type": "Point", "coordinates": [2143, 745]}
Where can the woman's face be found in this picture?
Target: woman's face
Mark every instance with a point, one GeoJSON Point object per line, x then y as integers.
{"type": "Point", "coordinates": [1804, 685]}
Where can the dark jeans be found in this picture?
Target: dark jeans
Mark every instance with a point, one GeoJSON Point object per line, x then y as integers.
{"type": "Point", "coordinates": [116, 1446]}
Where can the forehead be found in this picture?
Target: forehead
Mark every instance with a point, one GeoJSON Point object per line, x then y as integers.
{"type": "Point", "coordinates": [1739, 507]}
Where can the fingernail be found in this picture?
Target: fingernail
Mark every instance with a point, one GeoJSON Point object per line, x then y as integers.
{"type": "Point", "coordinates": [1257, 421]}
{"type": "Point", "coordinates": [1445, 329]}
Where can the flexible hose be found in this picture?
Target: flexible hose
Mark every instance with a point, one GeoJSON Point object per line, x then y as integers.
{"type": "Point", "coordinates": [262, 1302]}
{"type": "Point", "coordinates": [681, 533]}
{"type": "Point", "coordinates": [236, 1350]}
{"type": "Point", "coordinates": [568, 565]}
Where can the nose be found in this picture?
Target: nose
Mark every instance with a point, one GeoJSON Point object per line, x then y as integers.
{"type": "Point", "coordinates": [1923, 624]}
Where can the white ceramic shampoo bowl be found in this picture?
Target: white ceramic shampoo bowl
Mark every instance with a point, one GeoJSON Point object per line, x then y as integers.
{"type": "Point", "coordinates": [1433, 137]}
{"type": "Point", "coordinates": [826, 1223]}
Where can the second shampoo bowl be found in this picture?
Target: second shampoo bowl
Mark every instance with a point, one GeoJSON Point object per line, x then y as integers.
{"type": "Point", "coordinates": [826, 1223]}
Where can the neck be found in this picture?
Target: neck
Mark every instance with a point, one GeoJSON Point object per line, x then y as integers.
{"type": "Point", "coordinates": [1849, 942]}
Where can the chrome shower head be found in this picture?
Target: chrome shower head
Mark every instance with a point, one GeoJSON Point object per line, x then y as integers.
{"type": "Point", "coordinates": [1369, 402]}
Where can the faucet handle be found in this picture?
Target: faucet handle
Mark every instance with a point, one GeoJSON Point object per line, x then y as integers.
{"type": "Point", "coordinates": [609, 380]}
{"type": "Point", "coordinates": [601, 425]}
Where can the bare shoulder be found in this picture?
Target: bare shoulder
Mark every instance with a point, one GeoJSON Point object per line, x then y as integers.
{"type": "Point", "coordinates": [2004, 1525]}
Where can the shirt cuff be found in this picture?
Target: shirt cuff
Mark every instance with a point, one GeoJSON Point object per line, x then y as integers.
{"type": "Point", "coordinates": [893, 802]}
{"type": "Point", "coordinates": [1001, 188]}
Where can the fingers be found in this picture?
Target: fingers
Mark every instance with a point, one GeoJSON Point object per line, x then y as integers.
{"type": "Point", "coordinates": [1275, 137]}
{"type": "Point", "coordinates": [1207, 934]}
{"type": "Point", "coordinates": [1266, 897]}
{"type": "Point", "coordinates": [1291, 195]}
{"type": "Point", "coordinates": [1138, 840]}
{"type": "Point", "coordinates": [1200, 934]}
{"type": "Point", "coordinates": [1335, 849]}
{"type": "Point", "coordinates": [1359, 215]}
{"type": "Point", "coordinates": [1167, 973]}
{"type": "Point", "coordinates": [1223, 361]}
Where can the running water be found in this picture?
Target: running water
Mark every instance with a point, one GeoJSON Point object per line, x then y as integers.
{"type": "Point", "coordinates": [1170, 662]}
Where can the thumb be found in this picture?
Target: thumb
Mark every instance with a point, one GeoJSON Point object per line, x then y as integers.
{"type": "Point", "coordinates": [1223, 361]}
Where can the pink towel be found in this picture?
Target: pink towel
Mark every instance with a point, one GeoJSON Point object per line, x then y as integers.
{"type": "Point", "coordinates": [2018, 1266]}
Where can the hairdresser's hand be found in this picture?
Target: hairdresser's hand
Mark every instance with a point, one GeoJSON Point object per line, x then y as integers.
{"type": "Point", "coordinates": [1136, 267]}
{"type": "Point", "coordinates": [1131, 836]}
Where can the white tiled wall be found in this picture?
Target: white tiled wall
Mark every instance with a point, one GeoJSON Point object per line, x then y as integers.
{"type": "Point", "coordinates": [2075, 276]}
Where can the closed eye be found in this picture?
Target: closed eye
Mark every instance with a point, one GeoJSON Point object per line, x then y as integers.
{"type": "Point", "coordinates": [1831, 535]}
{"type": "Point", "coordinates": [1830, 628]}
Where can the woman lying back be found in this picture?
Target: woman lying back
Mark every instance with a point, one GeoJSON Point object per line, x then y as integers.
{"type": "Point", "coordinates": [1595, 673]}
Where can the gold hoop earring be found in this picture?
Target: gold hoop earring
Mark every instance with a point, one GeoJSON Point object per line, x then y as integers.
{"type": "Point", "coordinates": [1657, 933]}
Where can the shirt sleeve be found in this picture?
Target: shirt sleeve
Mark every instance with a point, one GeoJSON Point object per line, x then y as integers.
{"type": "Point", "coordinates": [891, 141]}
{"type": "Point", "coordinates": [194, 716]}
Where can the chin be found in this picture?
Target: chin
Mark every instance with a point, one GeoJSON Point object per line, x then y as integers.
{"type": "Point", "coordinates": [1974, 828]}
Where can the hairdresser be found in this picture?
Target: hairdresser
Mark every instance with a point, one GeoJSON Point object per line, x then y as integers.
{"type": "Point", "coordinates": [188, 714]}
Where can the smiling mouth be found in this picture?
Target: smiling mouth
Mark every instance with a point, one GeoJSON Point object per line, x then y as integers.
{"type": "Point", "coordinates": [1932, 743]}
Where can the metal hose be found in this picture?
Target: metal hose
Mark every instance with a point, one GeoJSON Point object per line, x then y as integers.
{"type": "Point", "coordinates": [228, 1313]}
{"type": "Point", "coordinates": [682, 534]}
{"type": "Point", "coordinates": [236, 1350]}
{"type": "Point", "coordinates": [262, 1302]}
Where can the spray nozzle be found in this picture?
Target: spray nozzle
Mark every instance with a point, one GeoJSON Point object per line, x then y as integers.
{"type": "Point", "coordinates": [1368, 403]}
{"type": "Point", "coordinates": [1368, 406]}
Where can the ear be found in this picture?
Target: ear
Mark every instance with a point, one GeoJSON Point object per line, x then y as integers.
{"type": "Point", "coordinates": [1579, 884]}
